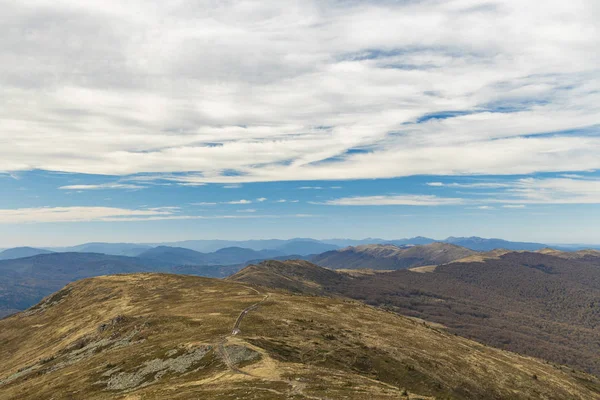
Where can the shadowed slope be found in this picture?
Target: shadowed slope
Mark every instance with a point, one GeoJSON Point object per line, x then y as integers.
{"type": "Point", "coordinates": [391, 257]}
{"type": "Point", "coordinates": [531, 303]}
{"type": "Point", "coordinates": [294, 275]}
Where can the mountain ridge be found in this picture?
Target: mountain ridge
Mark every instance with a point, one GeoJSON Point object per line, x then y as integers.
{"type": "Point", "coordinates": [157, 336]}
{"type": "Point", "coordinates": [22, 252]}
{"type": "Point", "coordinates": [388, 256]}
{"type": "Point", "coordinates": [504, 301]}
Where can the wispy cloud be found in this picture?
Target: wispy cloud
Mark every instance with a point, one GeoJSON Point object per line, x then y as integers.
{"type": "Point", "coordinates": [103, 186]}
{"type": "Point", "coordinates": [572, 190]}
{"type": "Point", "coordinates": [391, 200]}
{"type": "Point", "coordinates": [191, 184]}
{"type": "Point", "coordinates": [248, 210]}
{"type": "Point", "coordinates": [243, 201]}
{"type": "Point", "coordinates": [472, 185]}
{"type": "Point", "coordinates": [77, 214]}
{"type": "Point", "coordinates": [261, 199]}
{"type": "Point", "coordinates": [112, 214]}
{"type": "Point", "coordinates": [232, 186]}
{"type": "Point", "coordinates": [553, 191]}
{"type": "Point", "coordinates": [13, 175]}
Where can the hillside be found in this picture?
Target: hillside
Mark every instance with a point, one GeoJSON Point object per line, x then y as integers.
{"type": "Point", "coordinates": [391, 256]}
{"type": "Point", "coordinates": [226, 256]}
{"type": "Point", "coordinates": [294, 275]}
{"type": "Point", "coordinates": [582, 255]}
{"type": "Point", "coordinates": [115, 249]}
{"type": "Point", "coordinates": [152, 336]}
{"type": "Point", "coordinates": [21, 252]}
{"type": "Point", "coordinates": [25, 281]}
{"type": "Point", "coordinates": [531, 303]}
{"type": "Point", "coordinates": [175, 256]}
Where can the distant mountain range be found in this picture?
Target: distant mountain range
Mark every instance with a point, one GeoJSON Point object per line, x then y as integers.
{"type": "Point", "coordinates": [115, 249]}
{"type": "Point", "coordinates": [228, 255]}
{"type": "Point", "coordinates": [298, 246]}
{"type": "Point", "coordinates": [20, 252]}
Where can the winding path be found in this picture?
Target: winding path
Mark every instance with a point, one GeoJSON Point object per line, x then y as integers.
{"type": "Point", "coordinates": [235, 331]}
{"type": "Point", "coordinates": [296, 388]}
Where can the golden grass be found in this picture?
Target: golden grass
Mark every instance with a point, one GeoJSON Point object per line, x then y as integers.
{"type": "Point", "coordinates": [309, 347]}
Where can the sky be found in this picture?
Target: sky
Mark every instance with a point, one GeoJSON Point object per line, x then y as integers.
{"type": "Point", "coordinates": [161, 121]}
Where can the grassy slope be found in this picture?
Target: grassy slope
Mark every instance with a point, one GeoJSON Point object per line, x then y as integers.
{"type": "Point", "coordinates": [391, 257]}
{"type": "Point", "coordinates": [535, 304]}
{"type": "Point", "coordinates": [154, 336]}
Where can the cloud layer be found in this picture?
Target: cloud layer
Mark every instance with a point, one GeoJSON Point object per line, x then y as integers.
{"type": "Point", "coordinates": [513, 194]}
{"type": "Point", "coordinates": [242, 91]}
{"type": "Point", "coordinates": [112, 214]}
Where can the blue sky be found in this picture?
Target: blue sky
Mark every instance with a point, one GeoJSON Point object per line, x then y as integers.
{"type": "Point", "coordinates": [45, 210]}
{"type": "Point", "coordinates": [152, 121]}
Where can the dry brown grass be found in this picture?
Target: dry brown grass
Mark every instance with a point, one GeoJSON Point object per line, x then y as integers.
{"type": "Point", "coordinates": [291, 347]}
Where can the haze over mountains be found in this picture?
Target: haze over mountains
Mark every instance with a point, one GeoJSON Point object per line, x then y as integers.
{"type": "Point", "coordinates": [30, 274]}
{"type": "Point", "coordinates": [20, 252]}
{"type": "Point", "coordinates": [299, 246]}
{"type": "Point", "coordinates": [307, 320]}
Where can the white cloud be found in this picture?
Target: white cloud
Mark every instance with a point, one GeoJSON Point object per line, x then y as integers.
{"type": "Point", "coordinates": [248, 210]}
{"type": "Point", "coordinates": [232, 202]}
{"type": "Point", "coordinates": [485, 208]}
{"type": "Point", "coordinates": [473, 185]}
{"type": "Point", "coordinates": [102, 186]}
{"type": "Point", "coordinates": [243, 201]}
{"type": "Point", "coordinates": [281, 201]}
{"type": "Point", "coordinates": [160, 102]}
{"type": "Point", "coordinates": [518, 193]}
{"type": "Point", "coordinates": [311, 188]}
{"type": "Point", "coordinates": [554, 191]}
{"type": "Point", "coordinates": [191, 184]}
{"type": "Point", "coordinates": [111, 214]}
{"type": "Point", "coordinates": [77, 214]}
{"type": "Point", "coordinates": [261, 199]}
{"type": "Point", "coordinates": [572, 176]}
{"type": "Point", "coordinates": [405, 200]}
{"type": "Point", "coordinates": [233, 186]}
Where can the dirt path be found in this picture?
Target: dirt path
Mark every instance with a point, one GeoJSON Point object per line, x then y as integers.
{"type": "Point", "coordinates": [238, 321]}
{"type": "Point", "coordinates": [236, 329]}
{"type": "Point", "coordinates": [296, 388]}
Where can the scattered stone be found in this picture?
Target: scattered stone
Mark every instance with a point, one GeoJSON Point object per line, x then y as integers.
{"type": "Point", "coordinates": [155, 369]}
